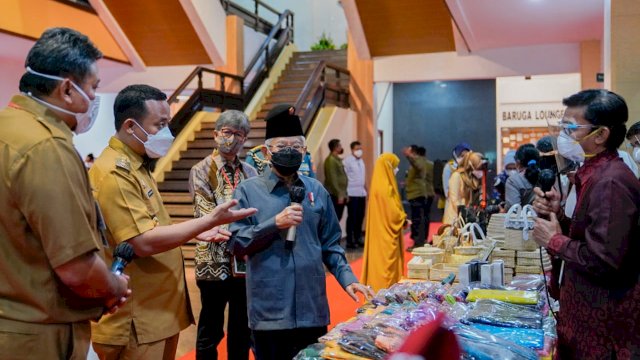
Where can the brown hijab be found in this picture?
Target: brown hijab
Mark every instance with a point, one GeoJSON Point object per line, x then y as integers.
{"type": "Point", "coordinates": [471, 161]}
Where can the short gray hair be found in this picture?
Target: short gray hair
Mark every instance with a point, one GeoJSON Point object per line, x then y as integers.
{"type": "Point", "coordinates": [234, 119]}
{"type": "Point", "coordinates": [301, 138]}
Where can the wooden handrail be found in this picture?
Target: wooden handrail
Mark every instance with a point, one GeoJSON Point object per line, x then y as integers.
{"type": "Point", "coordinates": [268, 7]}
{"type": "Point", "coordinates": [316, 86]}
{"type": "Point", "coordinates": [267, 41]}
{"type": "Point", "coordinates": [338, 68]}
{"type": "Point", "coordinates": [198, 72]}
{"type": "Point", "coordinates": [308, 86]}
{"type": "Point", "coordinates": [264, 48]}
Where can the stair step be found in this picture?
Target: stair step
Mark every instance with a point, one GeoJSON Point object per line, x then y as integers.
{"type": "Point", "coordinates": [210, 144]}
{"type": "Point", "coordinates": [289, 98]}
{"type": "Point", "coordinates": [178, 174]}
{"type": "Point", "coordinates": [174, 185]}
{"type": "Point", "coordinates": [254, 125]}
{"type": "Point", "coordinates": [179, 210]}
{"type": "Point", "coordinates": [255, 132]}
{"type": "Point", "coordinates": [176, 197]}
{"type": "Point", "coordinates": [208, 126]}
{"type": "Point", "coordinates": [321, 54]}
{"type": "Point", "coordinates": [288, 85]}
{"type": "Point", "coordinates": [292, 90]}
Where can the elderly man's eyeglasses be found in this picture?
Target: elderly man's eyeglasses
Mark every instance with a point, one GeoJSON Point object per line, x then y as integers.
{"type": "Point", "coordinates": [296, 147]}
{"type": "Point", "coordinates": [226, 133]}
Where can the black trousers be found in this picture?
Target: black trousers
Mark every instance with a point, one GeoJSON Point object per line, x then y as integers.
{"type": "Point", "coordinates": [355, 216]}
{"type": "Point", "coordinates": [338, 207]}
{"type": "Point", "coordinates": [214, 296]}
{"type": "Point", "coordinates": [285, 344]}
{"type": "Point", "coordinates": [420, 219]}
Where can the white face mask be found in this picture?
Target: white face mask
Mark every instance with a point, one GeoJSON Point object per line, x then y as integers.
{"type": "Point", "coordinates": [158, 144]}
{"type": "Point", "coordinates": [84, 121]}
{"type": "Point", "coordinates": [395, 171]}
{"type": "Point", "coordinates": [570, 148]}
{"type": "Point", "coordinates": [636, 154]}
{"type": "Point", "coordinates": [478, 174]}
{"type": "Point", "coordinates": [358, 153]}
{"type": "Point", "coordinates": [511, 172]}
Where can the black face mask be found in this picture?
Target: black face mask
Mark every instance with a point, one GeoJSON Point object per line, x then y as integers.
{"type": "Point", "coordinates": [286, 161]}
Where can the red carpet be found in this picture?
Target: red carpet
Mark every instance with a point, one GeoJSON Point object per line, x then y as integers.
{"type": "Point", "coordinates": [341, 305]}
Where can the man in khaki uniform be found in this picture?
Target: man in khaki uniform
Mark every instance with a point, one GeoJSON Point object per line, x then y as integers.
{"type": "Point", "coordinates": [52, 276]}
{"type": "Point", "coordinates": [147, 327]}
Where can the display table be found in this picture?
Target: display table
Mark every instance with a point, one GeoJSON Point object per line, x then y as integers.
{"type": "Point", "coordinates": [512, 322]}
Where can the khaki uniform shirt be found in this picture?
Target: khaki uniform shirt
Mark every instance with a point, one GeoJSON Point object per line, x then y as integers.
{"type": "Point", "coordinates": [131, 204]}
{"type": "Point", "coordinates": [47, 218]}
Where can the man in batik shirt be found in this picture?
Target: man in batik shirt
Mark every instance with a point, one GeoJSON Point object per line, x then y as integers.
{"type": "Point", "coordinates": [212, 182]}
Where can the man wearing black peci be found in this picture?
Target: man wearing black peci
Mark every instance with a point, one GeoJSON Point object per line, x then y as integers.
{"type": "Point", "coordinates": [286, 289]}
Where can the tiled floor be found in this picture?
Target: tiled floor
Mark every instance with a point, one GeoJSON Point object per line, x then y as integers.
{"type": "Point", "coordinates": [188, 336]}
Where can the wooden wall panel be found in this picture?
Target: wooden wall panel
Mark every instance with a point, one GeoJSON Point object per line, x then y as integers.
{"type": "Point", "coordinates": [361, 101]}
{"type": "Point", "coordinates": [395, 27]}
{"type": "Point", "coordinates": [160, 31]}
{"type": "Point", "coordinates": [29, 18]}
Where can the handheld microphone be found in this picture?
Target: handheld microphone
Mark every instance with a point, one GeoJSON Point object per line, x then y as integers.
{"type": "Point", "coordinates": [546, 179]}
{"type": "Point", "coordinates": [296, 195]}
{"type": "Point", "coordinates": [122, 256]}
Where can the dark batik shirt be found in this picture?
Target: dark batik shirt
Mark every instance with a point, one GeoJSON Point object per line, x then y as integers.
{"type": "Point", "coordinates": [600, 295]}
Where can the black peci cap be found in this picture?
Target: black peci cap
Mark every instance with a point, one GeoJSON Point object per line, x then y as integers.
{"type": "Point", "coordinates": [282, 122]}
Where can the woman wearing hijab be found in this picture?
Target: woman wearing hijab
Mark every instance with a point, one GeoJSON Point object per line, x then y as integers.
{"type": "Point", "coordinates": [383, 251]}
{"type": "Point", "coordinates": [464, 182]}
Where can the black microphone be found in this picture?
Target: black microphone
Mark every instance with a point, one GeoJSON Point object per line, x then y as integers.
{"type": "Point", "coordinates": [296, 195]}
{"type": "Point", "coordinates": [546, 179]}
{"type": "Point", "coordinates": [122, 256]}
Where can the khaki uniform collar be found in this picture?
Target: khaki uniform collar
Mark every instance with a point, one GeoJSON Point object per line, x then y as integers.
{"type": "Point", "coordinates": [117, 145]}
{"type": "Point", "coordinates": [43, 114]}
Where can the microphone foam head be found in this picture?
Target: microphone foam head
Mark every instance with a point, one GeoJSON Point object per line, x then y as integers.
{"type": "Point", "coordinates": [546, 179]}
{"type": "Point", "coordinates": [296, 193]}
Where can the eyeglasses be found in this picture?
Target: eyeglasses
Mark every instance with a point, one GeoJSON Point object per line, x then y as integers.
{"type": "Point", "coordinates": [569, 128]}
{"type": "Point", "coordinates": [296, 147]}
{"type": "Point", "coordinates": [226, 133]}
{"type": "Point", "coordinates": [634, 144]}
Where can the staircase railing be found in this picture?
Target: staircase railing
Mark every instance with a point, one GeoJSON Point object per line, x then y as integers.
{"type": "Point", "coordinates": [253, 18]}
{"type": "Point", "coordinates": [228, 91]}
{"type": "Point", "coordinates": [327, 82]}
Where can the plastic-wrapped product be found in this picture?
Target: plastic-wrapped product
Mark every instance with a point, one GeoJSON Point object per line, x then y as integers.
{"type": "Point", "coordinates": [333, 352]}
{"type": "Point", "coordinates": [457, 310]}
{"type": "Point", "coordinates": [361, 343]}
{"type": "Point", "coordinates": [355, 323]}
{"type": "Point", "coordinates": [530, 338]}
{"type": "Point", "coordinates": [480, 345]}
{"type": "Point", "coordinates": [512, 296]}
{"type": "Point", "coordinates": [529, 282]}
{"type": "Point", "coordinates": [311, 352]}
{"type": "Point", "coordinates": [549, 327]}
{"type": "Point", "coordinates": [498, 313]}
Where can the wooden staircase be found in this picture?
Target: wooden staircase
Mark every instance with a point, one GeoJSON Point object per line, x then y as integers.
{"type": "Point", "coordinates": [295, 75]}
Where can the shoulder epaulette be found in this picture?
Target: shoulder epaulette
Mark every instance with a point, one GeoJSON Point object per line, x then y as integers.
{"type": "Point", "coordinates": [123, 163]}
